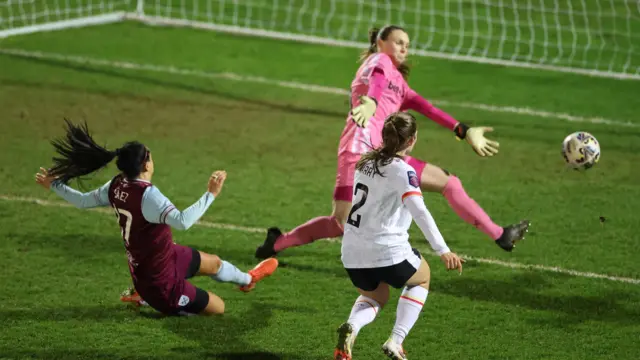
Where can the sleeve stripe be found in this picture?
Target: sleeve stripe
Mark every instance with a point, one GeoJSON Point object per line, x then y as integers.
{"type": "Point", "coordinates": [165, 213]}
{"type": "Point", "coordinates": [410, 193]}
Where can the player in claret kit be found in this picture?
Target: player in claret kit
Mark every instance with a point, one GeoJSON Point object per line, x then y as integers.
{"type": "Point", "coordinates": [379, 89]}
{"type": "Point", "coordinates": [159, 268]}
{"type": "Point", "coordinates": [376, 251]}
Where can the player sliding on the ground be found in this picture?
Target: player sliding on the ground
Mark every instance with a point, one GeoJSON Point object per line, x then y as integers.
{"type": "Point", "coordinates": [159, 267]}
{"type": "Point", "coordinates": [379, 89]}
{"type": "Point", "coordinates": [376, 251]}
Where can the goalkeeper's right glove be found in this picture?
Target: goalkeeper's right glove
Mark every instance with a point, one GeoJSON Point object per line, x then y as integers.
{"type": "Point", "coordinates": [363, 112]}
{"type": "Point", "coordinates": [475, 137]}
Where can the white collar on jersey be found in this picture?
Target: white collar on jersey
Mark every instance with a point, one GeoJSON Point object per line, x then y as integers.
{"type": "Point", "coordinates": [141, 180]}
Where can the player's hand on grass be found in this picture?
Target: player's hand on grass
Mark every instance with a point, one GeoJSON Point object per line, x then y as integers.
{"type": "Point", "coordinates": [44, 179]}
{"type": "Point", "coordinates": [216, 181]}
{"type": "Point", "coordinates": [363, 112]}
{"type": "Point", "coordinates": [480, 144]}
{"type": "Point", "coordinates": [452, 261]}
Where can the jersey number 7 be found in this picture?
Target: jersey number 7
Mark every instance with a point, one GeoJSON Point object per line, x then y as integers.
{"type": "Point", "coordinates": [365, 189]}
{"type": "Point", "coordinates": [125, 229]}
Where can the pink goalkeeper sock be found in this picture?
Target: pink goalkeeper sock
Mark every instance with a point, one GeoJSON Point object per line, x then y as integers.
{"type": "Point", "coordinates": [317, 228]}
{"type": "Point", "coordinates": [468, 209]}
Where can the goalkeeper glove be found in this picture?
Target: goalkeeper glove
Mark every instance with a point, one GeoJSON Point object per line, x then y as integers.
{"type": "Point", "coordinates": [475, 137]}
{"type": "Point", "coordinates": [363, 112]}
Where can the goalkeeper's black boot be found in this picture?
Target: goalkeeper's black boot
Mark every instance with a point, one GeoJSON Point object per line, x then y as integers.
{"type": "Point", "coordinates": [513, 233]}
{"type": "Point", "coordinates": [266, 250]}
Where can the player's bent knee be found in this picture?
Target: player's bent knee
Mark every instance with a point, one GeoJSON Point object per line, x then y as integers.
{"type": "Point", "coordinates": [209, 264]}
{"type": "Point", "coordinates": [214, 307]}
{"type": "Point", "coordinates": [381, 298]}
{"type": "Point", "coordinates": [434, 178]}
{"type": "Point", "coordinates": [421, 277]}
{"type": "Point", "coordinates": [380, 294]}
{"type": "Point", "coordinates": [341, 218]}
{"type": "Point", "coordinates": [341, 210]}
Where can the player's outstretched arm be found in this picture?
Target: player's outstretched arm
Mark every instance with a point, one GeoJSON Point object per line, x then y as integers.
{"type": "Point", "coordinates": [94, 198]}
{"type": "Point", "coordinates": [473, 135]}
{"type": "Point", "coordinates": [427, 225]}
{"type": "Point", "coordinates": [158, 209]}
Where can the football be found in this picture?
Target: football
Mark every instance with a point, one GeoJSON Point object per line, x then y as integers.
{"type": "Point", "coordinates": [581, 150]}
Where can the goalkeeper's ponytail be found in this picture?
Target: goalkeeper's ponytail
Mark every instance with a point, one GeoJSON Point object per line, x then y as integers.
{"type": "Point", "coordinates": [397, 132]}
{"type": "Point", "coordinates": [80, 155]}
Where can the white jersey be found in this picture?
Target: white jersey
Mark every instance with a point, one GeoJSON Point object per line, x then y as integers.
{"type": "Point", "coordinates": [375, 234]}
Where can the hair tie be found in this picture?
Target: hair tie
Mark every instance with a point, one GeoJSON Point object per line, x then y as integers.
{"type": "Point", "coordinates": [379, 36]}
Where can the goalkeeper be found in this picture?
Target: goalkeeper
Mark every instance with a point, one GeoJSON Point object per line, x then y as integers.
{"type": "Point", "coordinates": [379, 89]}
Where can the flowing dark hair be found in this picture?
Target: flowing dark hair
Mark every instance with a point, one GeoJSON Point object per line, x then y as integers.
{"type": "Point", "coordinates": [398, 130]}
{"type": "Point", "coordinates": [80, 155]}
{"type": "Point", "coordinates": [383, 34]}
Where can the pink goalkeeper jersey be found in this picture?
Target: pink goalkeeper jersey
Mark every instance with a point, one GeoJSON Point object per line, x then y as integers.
{"type": "Point", "coordinates": [359, 140]}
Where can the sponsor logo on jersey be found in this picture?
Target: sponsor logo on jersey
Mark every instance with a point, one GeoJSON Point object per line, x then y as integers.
{"type": "Point", "coordinates": [413, 179]}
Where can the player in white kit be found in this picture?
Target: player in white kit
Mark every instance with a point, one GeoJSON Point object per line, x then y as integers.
{"type": "Point", "coordinates": [376, 251]}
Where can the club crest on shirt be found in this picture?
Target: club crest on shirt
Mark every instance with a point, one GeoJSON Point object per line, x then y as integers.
{"type": "Point", "coordinates": [413, 179]}
{"type": "Point", "coordinates": [184, 300]}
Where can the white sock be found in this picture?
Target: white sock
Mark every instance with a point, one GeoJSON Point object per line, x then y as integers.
{"type": "Point", "coordinates": [229, 273]}
{"type": "Point", "coordinates": [409, 307]}
{"type": "Point", "coordinates": [363, 312]}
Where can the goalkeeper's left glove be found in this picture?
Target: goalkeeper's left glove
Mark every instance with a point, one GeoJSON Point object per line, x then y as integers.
{"type": "Point", "coordinates": [475, 137]}
{"type": "Point", "coordinates": [363, 112]}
